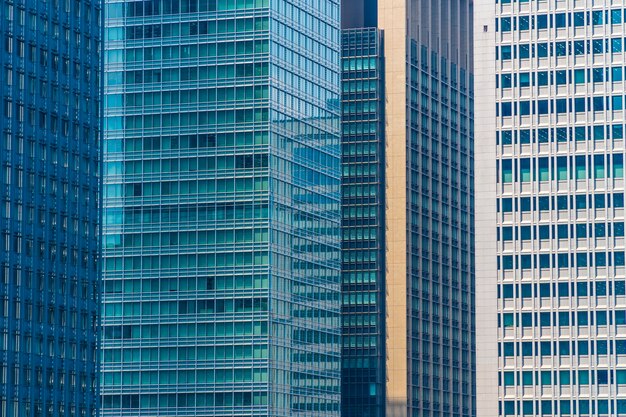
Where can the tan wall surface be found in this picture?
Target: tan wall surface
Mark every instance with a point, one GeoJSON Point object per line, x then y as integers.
{"type": "Point", "coordinates": [392, 20]}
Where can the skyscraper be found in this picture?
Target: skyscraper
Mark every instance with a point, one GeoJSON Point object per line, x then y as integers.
{"type": "Point", "coordinates": [222, 199]}
{"type": "Point", "coordinates": [363, 224]}
{"type": "Point", "coordinates": [49, 207]}
{"type": "Point", "coordinates": [408, 225]}
{"type": "Point", "coordinates": [550, 204]}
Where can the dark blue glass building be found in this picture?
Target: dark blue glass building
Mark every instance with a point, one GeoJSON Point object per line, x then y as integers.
{"type": "Point", "coordinates": [49, 217]}
{"type": "Point", "coordinates": [222, 208]}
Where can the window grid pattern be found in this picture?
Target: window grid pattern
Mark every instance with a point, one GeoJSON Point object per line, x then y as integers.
{"type": "Point", "coordinates": [363, 265]}
{"type": "Point", "coordinates": [440, 156]}
{"type": "Point", "coordinates": [560, 209]}
{"type": "Point", "coordinates": [222, 198]}
{"type": "Point", "coordinates": [49, 217]}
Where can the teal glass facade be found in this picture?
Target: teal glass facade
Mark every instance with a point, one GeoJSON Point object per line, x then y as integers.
{"type": "Point", "coordinates": [363, 225]}
{"type": "Point", "coordinates": [222, 197]}
{"type": "Point", "coordinates": [50, 155]}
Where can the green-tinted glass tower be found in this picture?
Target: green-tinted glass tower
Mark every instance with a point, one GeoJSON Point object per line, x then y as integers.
{"type": "Point", "coordinates": [222, 223]}
{"type": "Point", "coordinates": [363, 224]}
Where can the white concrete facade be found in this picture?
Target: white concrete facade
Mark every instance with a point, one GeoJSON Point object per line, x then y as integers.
{"type": "Point", "coordinates": [551, 302]}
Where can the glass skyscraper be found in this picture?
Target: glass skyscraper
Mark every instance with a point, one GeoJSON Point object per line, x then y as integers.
{"type": "Point", "coordinates": [408, 215]}
{"type": "Point", "coordinates": [222, 208]}
{"type": "Point", "coordinates": [363, 224]}
{"type": "Point", "coordinates": [49, 207]}
{"type": "Point", "coordinates": [550, 204]}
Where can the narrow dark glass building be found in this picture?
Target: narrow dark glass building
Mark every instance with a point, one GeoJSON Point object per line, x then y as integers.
{"type": "Point", "coordinates": [363, 203]}
{"type": "Point", "coordinates": [49, 216]}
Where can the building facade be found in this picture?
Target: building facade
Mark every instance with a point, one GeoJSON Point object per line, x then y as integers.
{"type": "Point", "coordinates": [49, 213]}
{"type": "Point", "coordinates": [222, 208]}
{"type": "Point", "coordinates": [550, 198]}
{"type": "Point", "coordinates": [426, 288]}
{"type": "Point", "coordinates": [363, 225]}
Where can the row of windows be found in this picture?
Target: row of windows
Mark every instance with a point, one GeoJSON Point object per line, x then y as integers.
{"type": "Point", "coordinates": [204, 27]}
{"type": "Point", "coordinates": [360, 298]}
{"type": "Point", "coordinates": [352, 234]}
{"type": "Point", "coordinates": [215, 97]}
{"type": "Point", "coordinates": [562, 231]}
{"type": "Point", "coordinates": [562, 168]}
{"type": "Point", "coordinates": [44, 120]}
{"type": "Point", "coordinates": [360, 108]}
{"type": "Point", "coordinates": [559, 106]}
{"type": "Point", "coordinates": [560, 20]}
{"type": "Point", "coordinates": [199, 237]}
{"type": "Point", "coordinates": [182, 120]}
{"type": "Point", "coordinates": [560, 77]}
{"type": "Point", "coordinates": [193, 187]}
{"type": "Point", "coordinates": [77, 9]}
{"type": "Point", "coordinates": [586, 347]}
{"type": "Point", "coordinates": [564, 318]}
{"type": "Point", "coordinates": [359, 86]}
{"type": "Point", "coordinates": [200, 212]}
{"type": "Point", "coordinates": [560, 134]}
{"type": "Point", "coordinates": [560, 260]}
{"type": "Point", "coordinates": [225, 329]}
{"type": "Point", "coordinates": [582, 407]}
{"type": "Point", "coordinates": [185, 284]}
{"type": "Point", "coordinates": [201, 141]}
{"type": "Point", "coordinates": [29, 50]}
{"type": "Point", "coordinates": [362, 341]}
{"type": "Point", "coordinates": [359, 64]}
{"type": "Point", "coordinates": [197, 73]}
{"type": "Point", "coordinates": [546, 49]}
{"type": "Point", "coordinates": [356, 131]}
{"type": "Point", "coordinates": [562, 289]}
{"type": "Point", "coordinates": [163, 53]}
{"type": "Point", "coordinates": [197, 376]}
{"type": "Point", "coordinates": [562, 378]}
{"type": "Point", "coordinates": [186, 330]}
{"type": "Point", "coordinates": [360, 190]}
{"type": "Point", "coordinates": [187, 165]}
{"type": "Point", "coordinates": [202, 260]}
{"type": "Point", "coordinates": [191, 354]}
{"type": "Point", "coordinates": [360, 169]}
{"type": "Point", "coordinates": [361, 277]}
{"type": "Point", "coordinates": [165, 7]}
{"type": "Point", "coordinates": [359, 320]}
{"type": "Point", "coordinates": [146, 401]}
{"type": "Point", "coordinates": [560, 202]}
{"type": "Point", "coordinates": [165, 308]}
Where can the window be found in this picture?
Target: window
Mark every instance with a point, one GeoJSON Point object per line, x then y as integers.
{"type": "Point", "coordinates": [542, 21]}
{"type": "Point", "coordinates": [617, 74]}
{"type": "Point", "coordinates": [505, 52]}
{"type": "Point", "coordinates": [524, 79]}
{"type": "Point", "coordinates": [579, 76]}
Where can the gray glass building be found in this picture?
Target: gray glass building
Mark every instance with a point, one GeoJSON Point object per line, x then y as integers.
{"type": "Point", "coordinates": [408, 214]}
{"type": "Point", "coordinates": [49, 207]}
{"type": "Point", "coordinates": [222, 208]}
{"type": "Point", "coordinates": [550, 198]}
